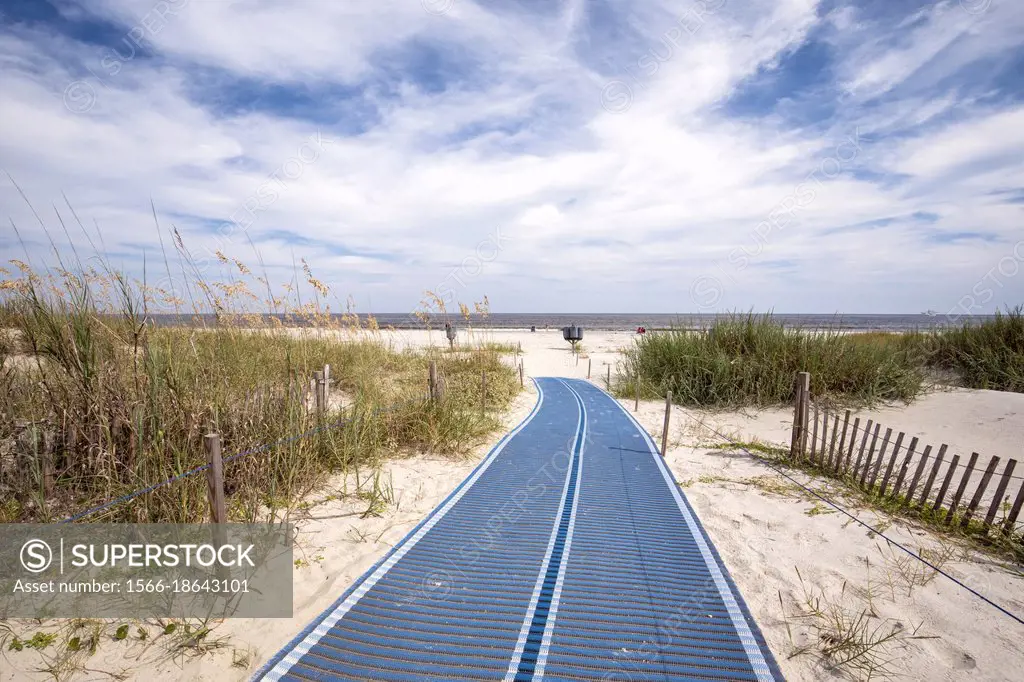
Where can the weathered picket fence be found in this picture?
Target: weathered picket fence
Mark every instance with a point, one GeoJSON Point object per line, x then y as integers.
{"type": "Point", "coordinates": [904, 474]}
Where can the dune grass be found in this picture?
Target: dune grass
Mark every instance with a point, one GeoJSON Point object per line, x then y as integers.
{"type": "Point", "coordinates": [989, 355]}
{"type": "Point", "coordinates": [753, 359]}
{"type": "Point", "coordinates": [97, 401]}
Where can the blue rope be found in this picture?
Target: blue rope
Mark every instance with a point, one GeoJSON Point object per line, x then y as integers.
{"type": "Point", "coordinates": [195, 470]}
{"type": "Point", "coordinates": [838, 508]}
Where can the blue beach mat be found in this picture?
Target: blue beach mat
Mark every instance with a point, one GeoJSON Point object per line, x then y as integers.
{"type": "Point", "coordinates": [569, 553]}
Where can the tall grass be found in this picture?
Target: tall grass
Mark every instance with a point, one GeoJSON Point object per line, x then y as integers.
{"type": "Point", "coordinates": [989, 355]}
{"type": "Point", "coordinates": [753, 359]}
{"type": "Point", "coordinates": [97, 401]}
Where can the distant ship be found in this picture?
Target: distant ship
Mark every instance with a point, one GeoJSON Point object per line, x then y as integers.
{"type": "Point", "coordinates": [930, 313]}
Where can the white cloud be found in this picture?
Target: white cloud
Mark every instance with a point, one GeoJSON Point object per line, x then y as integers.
{"type": "Point", "coordinates": [595, 203]}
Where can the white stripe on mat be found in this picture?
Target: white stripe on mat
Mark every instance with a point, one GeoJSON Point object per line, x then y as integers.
{"type": "Point", "coordinates": [517, 654]}
{"type": "Point", "coordinates": [750, 646]}
{"type": "Point", "coordinates": [549, 627]}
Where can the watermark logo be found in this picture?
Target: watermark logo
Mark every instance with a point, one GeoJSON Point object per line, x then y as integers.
{"type": "Point", "coordinates": [976, 6]}
{"type": "Point", "coordinates": [99, 570]}
{"type": "Point", "coordinates": [79, 97]}
{"type": "Point", "coordinates": [437, 7]}
{"type": "Point", "coordinates": [706, 291]}
{"type": "Point", "coordinates": [617, 97]}
{"type": "Point", "coordinates": [36, 556]}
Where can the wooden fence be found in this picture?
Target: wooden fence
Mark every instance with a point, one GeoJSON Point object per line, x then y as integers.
{"type": "Point", "coordinates": [913, 475]}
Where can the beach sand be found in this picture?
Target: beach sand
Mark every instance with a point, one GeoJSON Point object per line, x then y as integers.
{"type": "Point", "coordinates": [782, 547]}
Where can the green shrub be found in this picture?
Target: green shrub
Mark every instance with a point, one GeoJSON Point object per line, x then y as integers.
{"type": "Point", "coordinates": [753, 360]}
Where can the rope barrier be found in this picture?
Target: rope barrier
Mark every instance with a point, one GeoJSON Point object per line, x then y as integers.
{"type": "Point", "coordinates": [203, 467]}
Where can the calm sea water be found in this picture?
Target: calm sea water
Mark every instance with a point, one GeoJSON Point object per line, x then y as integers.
{"type": "Point", "coordinates": [685, 321]}
{"type": "Point", "coordinates": [659, 320]}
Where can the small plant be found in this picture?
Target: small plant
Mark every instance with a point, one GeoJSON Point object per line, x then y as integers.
{"type": "Point", "coordinates": [241, 658]}
{"type": "Point", "coordinates": [914, 573]}
{"type": "Point", "coordinates": [818, 509]}
{"type": "Point", "coordinates": [851, 640]}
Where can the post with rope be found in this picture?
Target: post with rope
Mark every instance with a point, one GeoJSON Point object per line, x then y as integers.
{"type": "Point", "coordinates": [319, 392]}
{"type": "Point", "coordinates": [327, 386]}
{"type": "Point", "coordinates": [664, 428]}
{"type": "Point", "coordinates": [432, 384]}
{"type": "Point", "coordinates": [215, 494]}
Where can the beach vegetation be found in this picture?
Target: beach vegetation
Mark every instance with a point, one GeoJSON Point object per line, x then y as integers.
{"type": "Point", "coordinates": [99, 399]}
{"type": "Point", "coordinates": [752, 360]}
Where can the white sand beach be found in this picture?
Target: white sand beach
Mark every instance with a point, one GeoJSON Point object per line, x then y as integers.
{"type": "Point", "coordinates": [784, 548]}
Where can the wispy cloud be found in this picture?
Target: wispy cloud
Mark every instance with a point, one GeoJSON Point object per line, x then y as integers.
{"type": "Point", "coordinates": [626, 152]}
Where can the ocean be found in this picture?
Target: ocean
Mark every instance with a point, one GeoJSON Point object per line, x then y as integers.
{"type": "Point", "coordinates": [652, 321]}
{"type": "Point", "coordinates": [616, 321]}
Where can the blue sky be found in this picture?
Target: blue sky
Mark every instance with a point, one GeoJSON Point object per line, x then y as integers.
{"type": "Point", "coordinates": [602, 156]}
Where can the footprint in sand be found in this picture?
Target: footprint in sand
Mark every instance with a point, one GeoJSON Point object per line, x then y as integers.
{"type": "Point", "coordinates": [959, 660]}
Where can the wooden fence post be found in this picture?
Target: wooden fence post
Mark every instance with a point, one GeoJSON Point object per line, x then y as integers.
{"type": "Point", "coordinates": [962, 487]}
{"type": "Point", "coordinates": [608, 381]}
{"type": "Point", "coordinates": [824, 437]}
{"type": "Point", "coordinates": [871, 453]}
{"type": "Point", "coordinates": [1014, 511]}
{"type": "Point", "coordinates": [215, 495]}
{"type": "Point", "coordinates": [589, 362]}
{"type": "Point", "coordinates": [432, 380]}
{"type": "Point", "coordinates": [800, 399]}
{"type": "Point", "coordinates": [215, 478]}
{"type": "Point", "coordinates": [832, 443]}
{"type": "Point", "coordinates": [848, 456]}
{"type": "Point", "coordinates": [318, 393]}
{"type": "Point", "coordinates": [837, 465]}
{"type": "Point", "coordinates": [863, 444]}
{"type": "Point", "coordinates": [945, 482]}
{"type": "Point", "coordinates": [814, 435]}
{"type": "Point", "coordinates": [881, 457]}
{"type": "Point", "coordinates": [904, 467]}
{"type": "Point", "coordinates": [932, 475]}
{"type": "Point", "coordinates": [327, 386]}
{"type": "Point", "coordinates": [918, 473]}
{"type": "Point", "coordinates": [985, 478]}
{"type": "Point", "coordinates": [805, 410]}
{"type": "Point", "coordinates": [521, 382]}
{"type": "Point", "coordinates": [1000, 491]}
{"type": "Point", "coordinates": [892, 462]}
{"type": "Point", "coordinates": [664, 428]}
{"type": "Point", "coordinates": [844, 448]}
